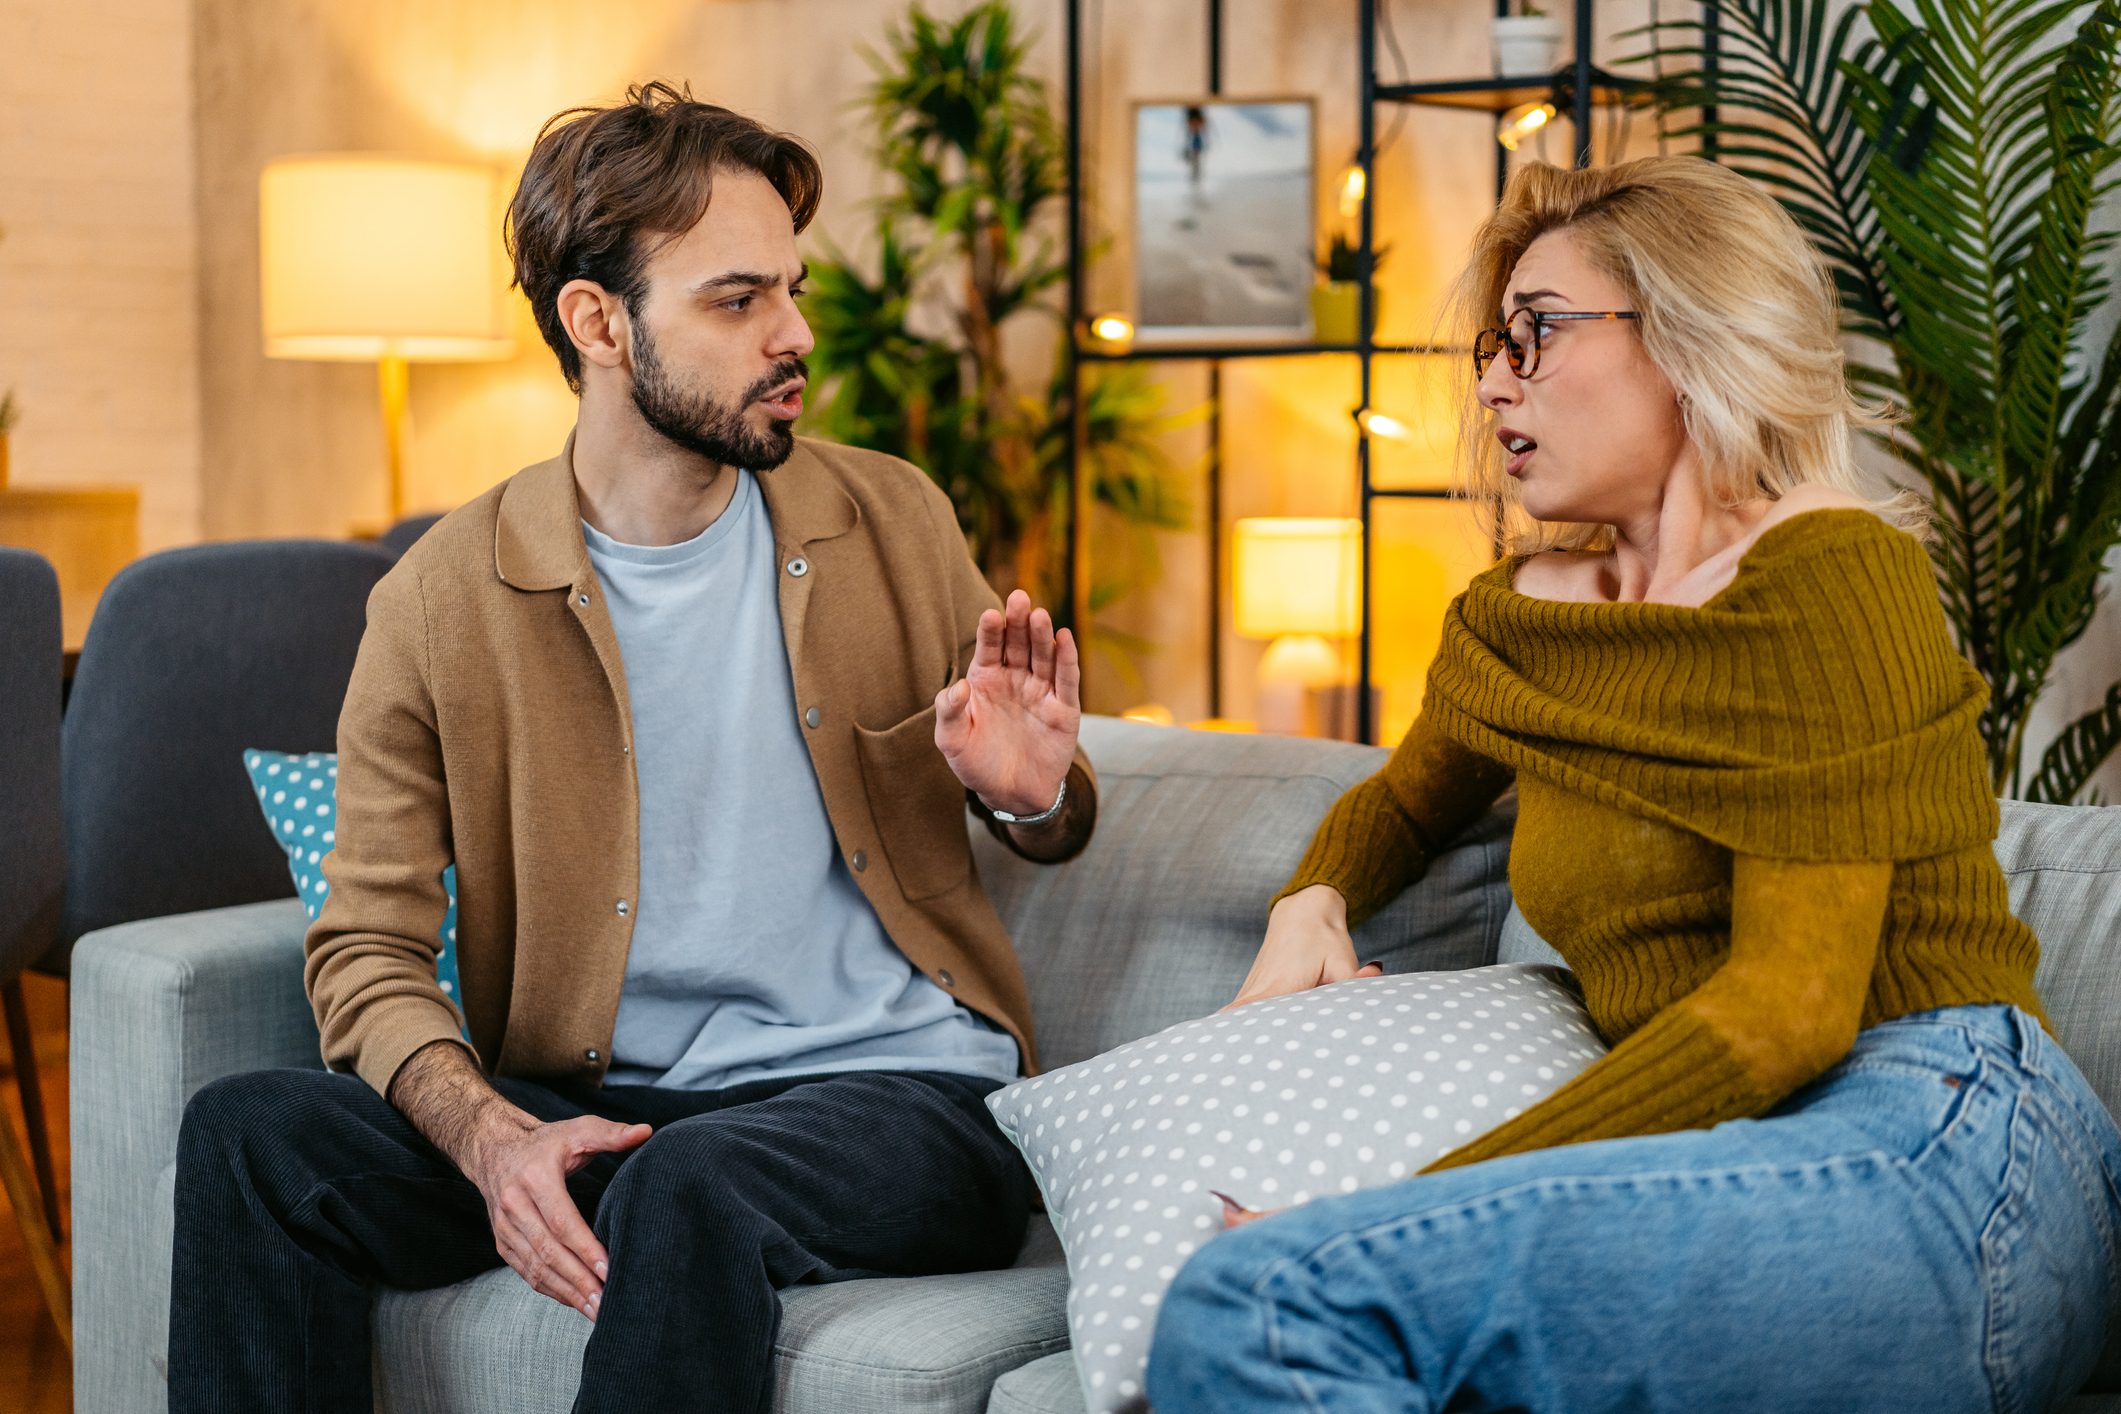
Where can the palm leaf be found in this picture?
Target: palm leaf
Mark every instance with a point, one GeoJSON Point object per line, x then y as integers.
{"type": "Point", "coordinates": [2068, 764]}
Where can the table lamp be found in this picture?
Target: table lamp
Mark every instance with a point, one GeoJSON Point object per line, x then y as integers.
{"type": "Point", "coordinates": [385, 260]}
{"type": "Point", "coordinates": [1299, 582]}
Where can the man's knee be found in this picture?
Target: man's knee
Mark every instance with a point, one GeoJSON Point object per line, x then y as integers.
{"type": "Point", "coordinates": [234, 1123]}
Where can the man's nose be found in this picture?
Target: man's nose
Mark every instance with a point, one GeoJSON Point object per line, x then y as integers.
{"type": "Point", "coordinates": [793, 338]}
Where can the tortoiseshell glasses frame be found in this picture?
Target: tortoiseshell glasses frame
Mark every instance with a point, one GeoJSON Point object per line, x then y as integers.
{"type": "Point", "coordinates": [1522, 348]}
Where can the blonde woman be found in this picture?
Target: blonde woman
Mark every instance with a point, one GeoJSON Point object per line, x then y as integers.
{"type": "Point", "coordinates": [1833, 1160]}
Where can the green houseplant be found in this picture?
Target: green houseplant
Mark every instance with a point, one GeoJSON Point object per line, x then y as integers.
{"type": "Point", "coordinates": [1947, 157]}
{"type": "Point", "coordinates": [912, 357]}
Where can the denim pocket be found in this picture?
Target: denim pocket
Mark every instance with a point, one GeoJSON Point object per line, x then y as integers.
{"type": "Point", "coordinates": [1901, 1106]}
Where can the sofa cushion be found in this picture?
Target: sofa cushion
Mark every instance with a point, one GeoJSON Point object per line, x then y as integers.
{"type": "Point", "coordinates": [300, 798]}
{"type": "Point", "coordinates": [1159, 918]}
{"type": "Point", "coordinates": [2064, 867]}
{"type": "Point", "coordinates": [923, 1345]}
{"type": "Point", "coordinates": [1045, 1386]}
{"type": "Point", "coordinates": [1326, 1091]}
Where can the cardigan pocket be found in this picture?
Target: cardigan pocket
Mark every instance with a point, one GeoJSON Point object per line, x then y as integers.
{"type": "Point", "coordinates": [917, 804]}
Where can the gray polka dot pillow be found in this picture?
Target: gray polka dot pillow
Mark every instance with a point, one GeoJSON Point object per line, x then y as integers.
{"type": "Point", "coordinates": [1326, 1091]}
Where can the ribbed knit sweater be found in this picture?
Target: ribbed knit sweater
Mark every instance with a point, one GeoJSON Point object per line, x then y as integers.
{"type": "Point", "coordinates": [1751, 827]}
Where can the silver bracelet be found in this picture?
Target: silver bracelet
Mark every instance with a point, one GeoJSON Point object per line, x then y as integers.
{"type": "Point", "coordinates": [1039, 819]}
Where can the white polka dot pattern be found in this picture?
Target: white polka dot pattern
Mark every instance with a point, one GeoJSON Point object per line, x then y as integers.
{"type": "Point", "coordinates": [300, 798]}
{"type": "Point", "coordinates": [1325, 1092]}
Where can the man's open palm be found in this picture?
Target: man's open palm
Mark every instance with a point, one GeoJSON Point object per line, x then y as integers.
{"type": "Point", "coordinates": [1008, 727]}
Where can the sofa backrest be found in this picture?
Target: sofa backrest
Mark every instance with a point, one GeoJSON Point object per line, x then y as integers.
{"type": "Point", "coordinates": [1159, 919]}
{"type": "Point", "coordinates": [2064, 867]}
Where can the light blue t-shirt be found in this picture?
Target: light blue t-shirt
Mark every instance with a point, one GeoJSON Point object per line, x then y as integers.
{"type": "Point", "coordinates": [754, 953]}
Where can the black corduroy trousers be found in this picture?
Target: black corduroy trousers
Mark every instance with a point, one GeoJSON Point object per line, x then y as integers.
{"type": "Point", "coordinates": [299, 1192]}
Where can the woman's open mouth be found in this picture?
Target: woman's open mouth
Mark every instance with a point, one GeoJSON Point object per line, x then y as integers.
{"type": "Point", "coordinates": [1518, 448]}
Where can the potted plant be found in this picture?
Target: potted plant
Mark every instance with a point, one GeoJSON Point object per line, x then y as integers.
{"type": "Point", "coordinates": [1966, 246]}
{"type": "Point", "coordinates": [912, 359]}
{"type": "Point", "coordinates": [1528, 42]}
{"type": "Point", "coordinates": [1336, 301]}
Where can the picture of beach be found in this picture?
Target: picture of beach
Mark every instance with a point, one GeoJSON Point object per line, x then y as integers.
{"type": "Point", "coordinates": [1223, 219]}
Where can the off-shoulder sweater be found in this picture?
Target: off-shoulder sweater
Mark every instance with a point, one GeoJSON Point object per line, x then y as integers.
{"type": "Point", "coordinates": [1751, 827]}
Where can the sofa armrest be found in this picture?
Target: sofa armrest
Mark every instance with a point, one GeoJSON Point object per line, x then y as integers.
{"type": "Point", "coordinates": [159, 1009]}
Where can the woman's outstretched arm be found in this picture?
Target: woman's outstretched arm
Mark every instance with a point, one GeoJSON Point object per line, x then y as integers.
{"type": "Point", "coordinates": [1783, 1008]}
{"type": "Point", "coordinates": [1380, 836]}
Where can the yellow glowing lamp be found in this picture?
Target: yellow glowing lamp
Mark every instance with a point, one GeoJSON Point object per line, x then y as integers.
{"type": "Point", "coordinates": [1383, 424]}
{"type": "Point", "coordinates": [385, 260]}
{"type": "Point", "coordinates": [1522, 122]}
{"type": "Point", "coordinates": [1114, 329]}
{"type": "Point", "coordinates": [1354, 186]}
{"type": "Point", "coordinates": [1298, 582]}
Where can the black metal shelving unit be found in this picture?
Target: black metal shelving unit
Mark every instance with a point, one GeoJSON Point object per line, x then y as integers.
{"type": "Point", "coordinates": [1578, 88]}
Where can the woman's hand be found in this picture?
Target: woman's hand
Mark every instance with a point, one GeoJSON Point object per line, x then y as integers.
{"type": "Point", "coordinates": [1307, 946]}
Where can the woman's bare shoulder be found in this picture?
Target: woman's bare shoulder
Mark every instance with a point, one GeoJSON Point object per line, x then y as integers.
{"type": "Point", "coordinates": [1566, 575]}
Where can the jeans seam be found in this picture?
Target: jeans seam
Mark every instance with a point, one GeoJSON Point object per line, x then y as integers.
{"type": "Point", "coordinates": [1996, 1269]}
{"type": "Point", "coordinates": [1270, 1317]}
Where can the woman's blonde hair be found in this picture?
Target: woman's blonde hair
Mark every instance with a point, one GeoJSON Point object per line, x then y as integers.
{"type": "Point", "coordinates": [1737, 310]}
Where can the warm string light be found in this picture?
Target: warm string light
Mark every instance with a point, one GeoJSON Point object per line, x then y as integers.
{"type": "Point", "coordinates": [1114, 329]}
{"type": "Point", "coordinates": [1522, 122]}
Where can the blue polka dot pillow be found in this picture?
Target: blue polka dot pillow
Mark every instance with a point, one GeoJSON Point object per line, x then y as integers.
{"type": "Point", "coordinates": [299, 795]}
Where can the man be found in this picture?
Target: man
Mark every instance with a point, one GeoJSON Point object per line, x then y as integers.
{"type": "Point", "coordinates": [696, 709]}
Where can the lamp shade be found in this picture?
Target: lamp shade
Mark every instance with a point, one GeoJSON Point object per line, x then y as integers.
{"type": "Point", "coordinates": [367, 258]}
{"type": "Point", "coordinates": [1298, 575]}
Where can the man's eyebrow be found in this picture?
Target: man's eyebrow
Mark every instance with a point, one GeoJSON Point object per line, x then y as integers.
{"type": "Point", "coordinates": [746, 280]}
{"type": "Point", "coordinates": [1524, 299]}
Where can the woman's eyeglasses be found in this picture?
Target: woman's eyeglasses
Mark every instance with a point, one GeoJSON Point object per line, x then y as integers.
{"type": "Point", "coordinates": [1519, 338]}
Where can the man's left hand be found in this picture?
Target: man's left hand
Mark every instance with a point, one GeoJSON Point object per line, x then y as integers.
{"type": "Point", "coordinates": [1008, 727]}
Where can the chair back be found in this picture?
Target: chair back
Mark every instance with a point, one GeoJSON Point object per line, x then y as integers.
{"type": "Point", "coordinates": [398, 539]}
{"type": "Point", "coordinates": [193, 655]}
{"type": "Point", "coordinates": [32, 856]}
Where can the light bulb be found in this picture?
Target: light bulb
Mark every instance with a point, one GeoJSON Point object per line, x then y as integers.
{"type": "Point", "coordinates": [1523, 121]}
{"type": "Point", "coordinates": [1354, 185]}
{"type": "Point", "coordinates": [1112, 329]}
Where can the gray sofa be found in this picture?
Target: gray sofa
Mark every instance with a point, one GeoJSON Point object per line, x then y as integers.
{"type": "Point", "coordinates": [1157, 922]}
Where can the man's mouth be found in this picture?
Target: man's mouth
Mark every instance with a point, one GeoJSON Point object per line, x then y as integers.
{"type": "Point", "coordinates": [786, 401]}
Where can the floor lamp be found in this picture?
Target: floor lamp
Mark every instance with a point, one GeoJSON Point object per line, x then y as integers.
{"type": "Point", "coordinates": [1298, 581]}
{"type": "Point", "coordinates": [387, 260]}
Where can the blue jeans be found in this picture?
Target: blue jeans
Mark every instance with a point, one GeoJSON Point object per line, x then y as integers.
{"type": "Point", "coordinates": [1931, 1225]}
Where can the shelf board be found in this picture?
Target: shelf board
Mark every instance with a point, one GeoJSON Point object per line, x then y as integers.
{"type": "Point", "coordinates": [1092, 353]}
{"type": "Point", "coordinates": [1409, 493]}
{"type": "Point", "coordinates": [1499, 95]}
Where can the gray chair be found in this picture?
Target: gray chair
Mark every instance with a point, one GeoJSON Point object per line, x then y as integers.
{"type": "Point", "coordinates": [399, 538]}
{"type": "Point", "coordinates": [193, 655]}
{"type": "Point", "coordinates": [32, 874]}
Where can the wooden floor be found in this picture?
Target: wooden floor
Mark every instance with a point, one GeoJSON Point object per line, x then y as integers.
{"type": "Point", "coordinates": [36, 1376]}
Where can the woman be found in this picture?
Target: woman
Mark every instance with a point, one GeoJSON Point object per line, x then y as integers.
{"type": "Point", "coordinates": [1833, 1160]}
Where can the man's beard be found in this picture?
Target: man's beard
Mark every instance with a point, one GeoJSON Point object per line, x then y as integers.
{"type": "Point", "coordinates": [700, 424]}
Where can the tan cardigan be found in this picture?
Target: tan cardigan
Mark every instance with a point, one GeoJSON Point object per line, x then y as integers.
{"type": "Point", "coordinates": [487, 724]}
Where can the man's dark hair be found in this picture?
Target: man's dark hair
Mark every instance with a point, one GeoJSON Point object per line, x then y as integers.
{"type": "Point", "coordinates": [604, 186]}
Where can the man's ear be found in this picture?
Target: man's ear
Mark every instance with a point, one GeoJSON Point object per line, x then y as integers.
{"type": "Point", "coordinates": [595, 319]}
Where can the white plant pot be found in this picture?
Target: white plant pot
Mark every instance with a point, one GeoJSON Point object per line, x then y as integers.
{"type": "Point", "coordinates": [1526, 45]}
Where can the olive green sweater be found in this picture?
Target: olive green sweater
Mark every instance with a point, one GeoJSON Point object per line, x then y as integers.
{"type": "Point", "coordinates": [1751, 827]}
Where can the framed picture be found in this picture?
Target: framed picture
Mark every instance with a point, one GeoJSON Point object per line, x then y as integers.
{"type": "Point", "coordinates": [1224, 218]}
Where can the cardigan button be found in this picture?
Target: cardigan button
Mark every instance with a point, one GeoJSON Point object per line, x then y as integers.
{"type": "Point", "coordinates": [622, 908]}
{"type": "Point", "coordinates": [581, 599]}
{"type": "Point", "coordinates": [812, 717]}
{"type": "Point", "coordinates": [799, 567]}
{"type": "Point", "coordinates": [861, 861]}
{"type": "Point", "coordinates": [590, 1055]}
{"type": "Point", "coordinates": [945, 978]}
